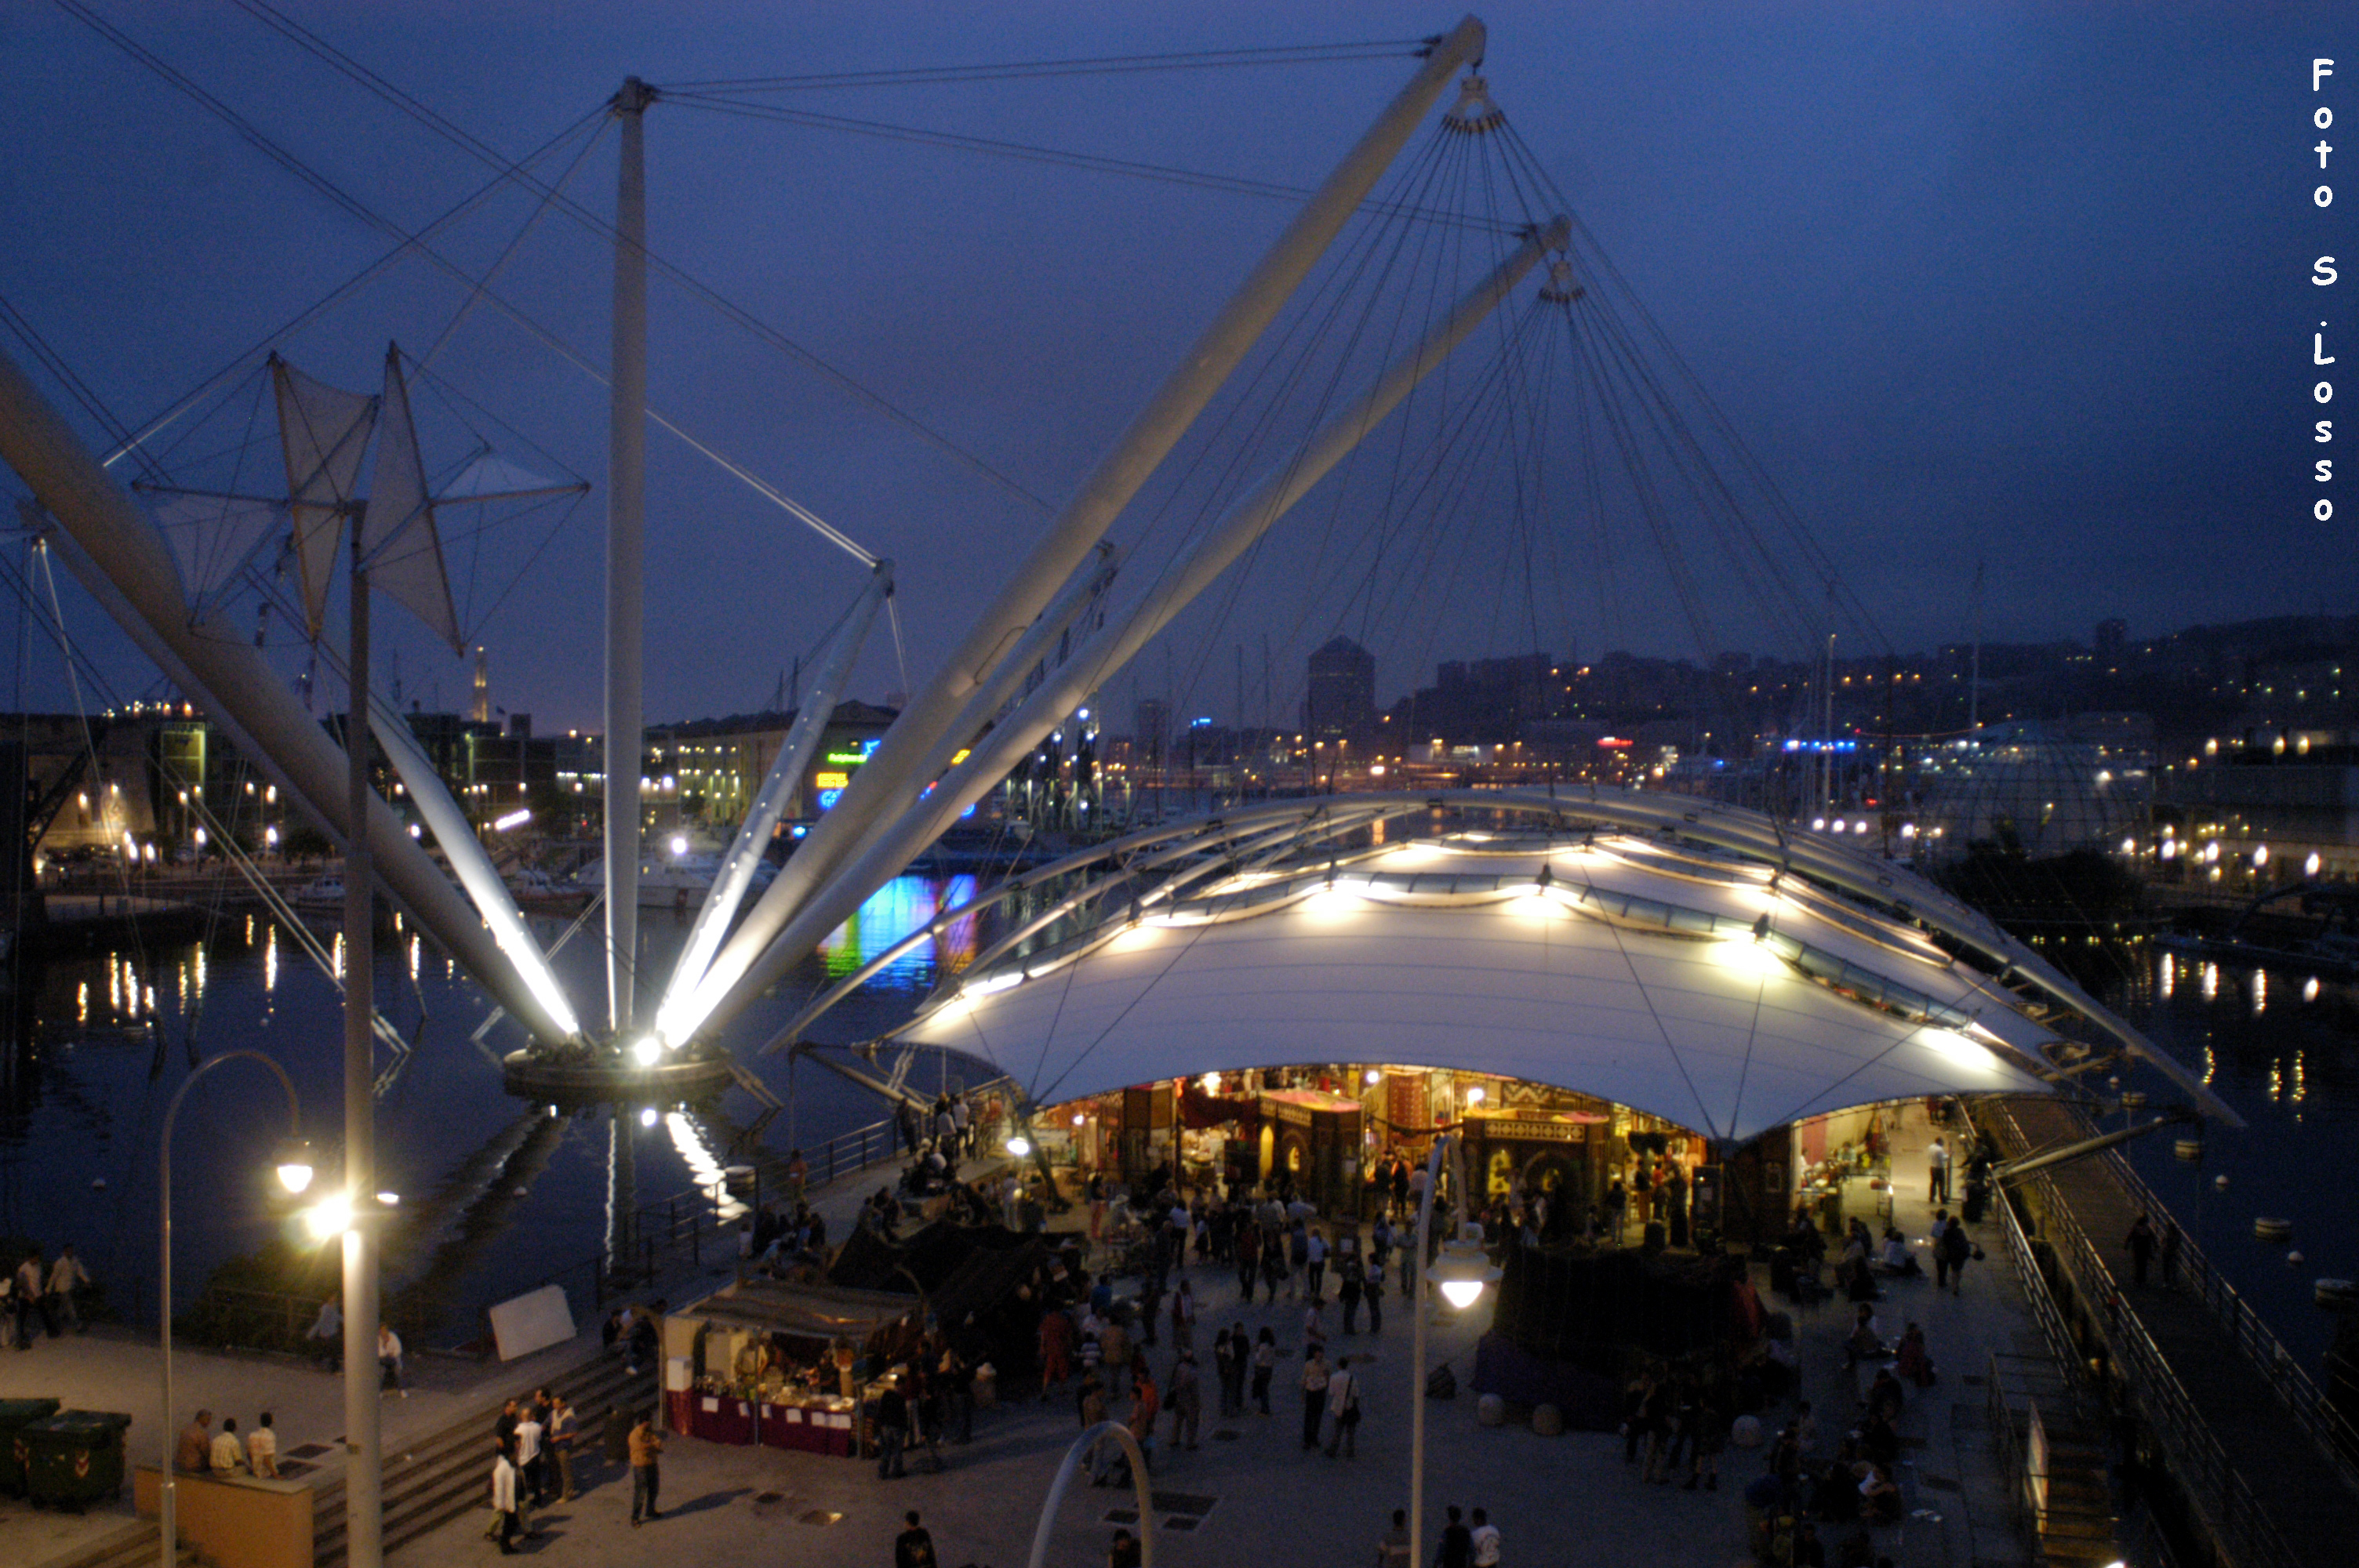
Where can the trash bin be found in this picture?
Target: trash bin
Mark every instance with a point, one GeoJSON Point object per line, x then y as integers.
{"type": "Point", "coordinates": [15, 1414]}
{"type": "Point", "coordinates": [74, 1458]}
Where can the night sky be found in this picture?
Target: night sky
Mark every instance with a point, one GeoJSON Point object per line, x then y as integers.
{"type": "Point", "coordinates": [2018, 285]}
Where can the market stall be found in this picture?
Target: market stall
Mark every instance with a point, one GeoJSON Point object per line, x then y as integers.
{"type": "Point", "coordinates": [776, 1364]}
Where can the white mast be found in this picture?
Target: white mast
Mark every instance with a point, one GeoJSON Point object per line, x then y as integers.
{"type": "Point", "coordinates": [626, 483]}
{"type": "Point", "coordinates": [889, 783]}
{"type": "Point", "coordinates": [1252, 516]}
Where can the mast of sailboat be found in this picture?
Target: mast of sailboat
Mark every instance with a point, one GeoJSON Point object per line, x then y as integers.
{"type": "Point", "coordinates": [1975, 669]}
{"type": "Point", "coordinates": [626, 558]}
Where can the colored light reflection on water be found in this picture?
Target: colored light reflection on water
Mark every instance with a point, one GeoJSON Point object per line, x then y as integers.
{"type": "Point", "coordinates": [901, 909]}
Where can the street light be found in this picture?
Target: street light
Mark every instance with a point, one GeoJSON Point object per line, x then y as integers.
{"type": "Point", "coordinates": [1462, 1270]}
{"type": "Point", "coordinates": [294, 1164]}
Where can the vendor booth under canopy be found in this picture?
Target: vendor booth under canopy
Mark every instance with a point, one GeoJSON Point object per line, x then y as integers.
{"type": "Point", "coordinates": [1719, 990]}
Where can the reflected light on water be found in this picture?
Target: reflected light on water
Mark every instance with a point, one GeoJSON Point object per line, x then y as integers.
{"type": "Point", "coordinates": [899, 909]}
{"type": "Point", "coordinates": [2166, 977]}
{"type": "Point", "coordinates": [2210, 981]}
{"type": "Point", "coordinates": [698, 1156]}
{"type": "Point", "coordinates": [2260, 992]}
{"type": "Point", "coordinates": [270, 960]}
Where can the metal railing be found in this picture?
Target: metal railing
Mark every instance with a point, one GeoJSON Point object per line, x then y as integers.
{"type": "Point", "coordinates": [2327, 1426]}
{"type": "Point", "coordinates": [2239, 1519]}
{"type": "Point", "coordinates": [679, 1227]}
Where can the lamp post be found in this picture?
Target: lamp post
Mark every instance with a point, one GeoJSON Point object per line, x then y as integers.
{"type": "Point", "coordinates": [294, 1174]}
{"type": "Point", "coordinates": [1463, 1270]}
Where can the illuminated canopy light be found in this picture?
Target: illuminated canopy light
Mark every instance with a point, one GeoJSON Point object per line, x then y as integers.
{"type": "Point", "coordinates": [646, 1050]}
{"type": "Point", "coordinates": [1019, 1146]}
{"type": "Point", "coordinates": [1617, 997]}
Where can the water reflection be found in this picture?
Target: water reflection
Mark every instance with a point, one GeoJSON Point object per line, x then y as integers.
{"type": "Point", "coordinates": [901, 909]}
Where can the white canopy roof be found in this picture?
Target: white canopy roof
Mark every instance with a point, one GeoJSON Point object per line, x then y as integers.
{"type": "Point", "coordinates": [1617, 966]}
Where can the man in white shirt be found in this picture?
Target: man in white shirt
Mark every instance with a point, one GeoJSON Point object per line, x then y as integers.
{"type": "Point", "coordinates": [262, 1450]}
{"type": "Point", "coordinates": [1937, 1171]}
{"type": "Point", "coordinates": [66, 1276]}
{"type": "Point", "coordinates": [527, 1464]}
{"type": "Point", "coordinates": [1343, 1409]}
{"type": "Point", "coordinates": [1486, 1540]}
{"type": "Point", "coordinates": [228, 1456]}
{"type": "Point", "coordinates": [388, 1357]}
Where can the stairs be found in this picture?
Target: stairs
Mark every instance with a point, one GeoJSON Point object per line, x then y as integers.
{"type": "Point", "coordinates": [438, 1477]}
{"type": "Point", "coordinates": [2077, 1528]}
{"type": "Point", "coordinates": [133, 1546]}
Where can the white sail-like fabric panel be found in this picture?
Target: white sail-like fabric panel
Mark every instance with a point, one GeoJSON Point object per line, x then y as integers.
{"type": "Point", "coordinates": [213, 536]}
{"type": "Point", "coordinates": [487, 476]}
{"type": "Point", "coordinates": [324, 432]}
{"type": "Point", "coordinates": [398, 539]}
{"type": "Point", "coordinates": [1714, 1034]}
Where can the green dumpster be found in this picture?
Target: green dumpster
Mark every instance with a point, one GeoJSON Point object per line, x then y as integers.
{"type": "Point", "coordinates": [74, 1458]}
{"type": "Point", "coordinates": [14, 1415]}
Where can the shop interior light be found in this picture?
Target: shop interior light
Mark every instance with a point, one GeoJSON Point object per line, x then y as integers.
{"type": "Point", "coordinates": [1019, 1146]}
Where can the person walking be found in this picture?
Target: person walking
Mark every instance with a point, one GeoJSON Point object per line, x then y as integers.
{"type": "Point", "coordinates": [1248, 1252]}
{"type": "Point", "coordinates": [1937, 1172]}
{"type": "Point", "coordinates": [1146, 1404]}
{"type": "Point", "coordinates": [504, 1498]}
{"type": "Point", "coordinates": [1393, 1547]}
{"type": "Point", "coordinates": [28, 1279]}
{"type": "Point", "coordinates": [1939, 1239]}
{"type": "Point", "coordinates": [646, 1473]}
{"type": "Point", "coordinates": [1957, 1246]}
{"type": "Point", "coordinates": [892, 1431]}
{"type": "Point", "coordinates": [66, 1276]}
{"type": "Point", "coordinates": [1314, 1395]}
{"type": "Point", "coordinates": [1373, 1295]}
{"type": "Point", "coordinates": [1314, 1264]}
{"type": "Point", "coordinates": [914, 1547]}
{"type": "Point", "coordinates": [2141, 1242]}
{"type": "Point", "coordinates": [1187, 1400]}
{"type": "Point", "coordinates": [2170, 1251]}
{"type": "Point", "coordinates": [1485, 1539]}
{"type": "Point", "coordinates": [1457, 1547]}
{"type": "Point", "coordinates": [1183, 1317]}
{"type": "Point", "coordinates": [389, 1357]}
{"type": "Point", "coordinates": [1343, 1407]}
{"type": "Point", "coordinates": [1264, 1367]}
{"type": "Point", "coordinates": [1350, 1290]}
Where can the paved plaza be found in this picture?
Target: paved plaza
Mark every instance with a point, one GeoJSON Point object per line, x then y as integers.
{"type": "Point", "coordinates": [1248, 1492]}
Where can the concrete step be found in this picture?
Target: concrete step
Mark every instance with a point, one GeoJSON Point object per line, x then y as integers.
{"type": "Point", "coordinates": [447, 1473]}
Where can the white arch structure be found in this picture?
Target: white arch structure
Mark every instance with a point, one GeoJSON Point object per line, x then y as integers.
{"type": "Point", "coordinates": [1690, 959]}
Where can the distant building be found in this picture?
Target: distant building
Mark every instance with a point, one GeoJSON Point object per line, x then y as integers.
{"type": "Point", "coordinates": [1342, 701]}
{"type": "Point", "coordinates": [709, 770]}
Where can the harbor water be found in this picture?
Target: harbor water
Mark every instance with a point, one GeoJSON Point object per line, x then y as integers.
{"type": "Point", "coordinates": [496, 1193]}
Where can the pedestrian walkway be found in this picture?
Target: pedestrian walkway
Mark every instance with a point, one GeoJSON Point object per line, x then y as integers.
{"type": "Point", "coordinates": [2238, 1442]}
{"type": "Point", "coordinates": [1250, 1494]}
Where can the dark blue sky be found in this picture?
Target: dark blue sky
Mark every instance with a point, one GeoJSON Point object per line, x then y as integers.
{"type": "Point", "coordinates": [2022, 285]}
